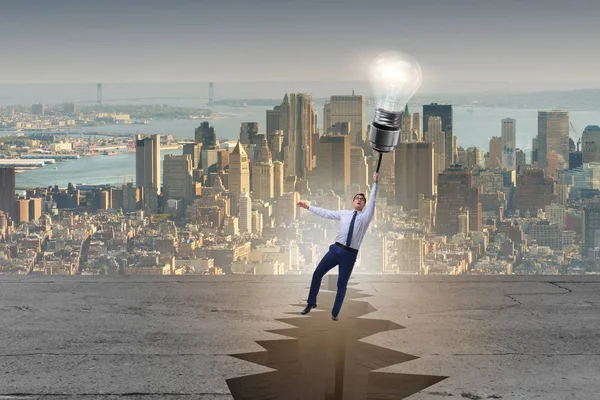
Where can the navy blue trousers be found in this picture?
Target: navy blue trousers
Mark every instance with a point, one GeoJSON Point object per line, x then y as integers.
{"type": "Point", "coordinates": [335, 256]}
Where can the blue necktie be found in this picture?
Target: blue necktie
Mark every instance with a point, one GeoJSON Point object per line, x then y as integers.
{"type": "Point", "coordinates": [349, 239]}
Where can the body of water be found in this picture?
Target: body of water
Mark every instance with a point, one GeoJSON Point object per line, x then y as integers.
{"type": "Point", "coordinates": [472, 127]}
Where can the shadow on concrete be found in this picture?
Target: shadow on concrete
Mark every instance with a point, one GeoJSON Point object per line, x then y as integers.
{"type": "Point", "coordinates": [326, 360]}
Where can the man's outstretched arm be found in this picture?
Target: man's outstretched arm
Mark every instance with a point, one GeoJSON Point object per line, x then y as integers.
{"type": "Point", "coordinates": [370, 208]}
{"type": "Point", "coordinates": [321, 212]}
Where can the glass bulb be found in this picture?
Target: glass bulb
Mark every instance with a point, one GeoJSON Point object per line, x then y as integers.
{"type": "Point", "coordinates": [395, 77]}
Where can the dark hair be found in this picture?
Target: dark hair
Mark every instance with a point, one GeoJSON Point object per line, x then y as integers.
{"type": "Point", "coordinates": [359, 194]}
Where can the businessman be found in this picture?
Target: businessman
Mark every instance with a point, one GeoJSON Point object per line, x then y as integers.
{"type": "Point", "coordinates": [353, 227]}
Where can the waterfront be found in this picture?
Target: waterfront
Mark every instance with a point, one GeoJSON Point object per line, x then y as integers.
{"type": "Point", "coordinates": [472, 127]}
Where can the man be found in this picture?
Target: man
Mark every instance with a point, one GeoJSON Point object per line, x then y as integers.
{"type": "Point", "coordinates": [353, 226]}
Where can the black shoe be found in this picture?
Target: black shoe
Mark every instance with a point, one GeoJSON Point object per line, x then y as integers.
{"type": "Point", "coordinates": [308, 308]}
{"type": "Point", "coordinates": [334, 317]}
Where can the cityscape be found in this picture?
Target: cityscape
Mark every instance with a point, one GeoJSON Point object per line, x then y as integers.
{"type": "Point", "coordinates": [211, 206]}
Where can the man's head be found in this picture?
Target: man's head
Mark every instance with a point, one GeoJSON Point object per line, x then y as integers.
{"type": "Point", "coordinates": [359, 201]}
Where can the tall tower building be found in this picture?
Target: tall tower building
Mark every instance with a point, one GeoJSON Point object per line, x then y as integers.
{"type": "Point", "coordinates": [239, 175]}
{"type": "Point", "coordinates": [326, 117]}
{"type": "Point", "coordinates": [359, 169]}
{"type": "Point", "coordinates": [520, 159]}
{"type": "Point", "coordinates": [416, 126]}
{"type": "Point", "coordinates": [262, 175]}
{"type": "Point", "coordinates": [245, 211]}
{"type": "Point", "coordinates": [553, 141]}
{"type": "Point", "coordinates": [206, 135]}
{"type": "Point", "coordinates": [147, 169]}
{"type": "Point", "coordinates": [414, 173]}
{"type": "Point", "coordinates": [178, 182]}
{"type": "Point", "coordinates": [591, 226]}
{"type": "Point", "coordinates": [248, 132]}
{"type": "Point", "coordinates": [277, 179]}
{"type": "Point", "coordinates": [410, 254]}
{"type": "Point", "coordinates": [591, 144]}
{"type": "Point", "coordinates": [444, 111]}
{"type": "Point", "coordinates": [296, 120]}
{"type": "Point", "coordinates": [352, 109]}
{"type": "Point", "coordinates": [456, 195]}
{"type": "Point", "coordinates": [436, 136]}
{"type": "Point", "coordinates": [495, 160]}
{"type": "Point", "coordinates": [7, 190]}
{"type": "Point", "coordinates": [509, 143]}
{"type": "Point", "coordinates": [406, 134]}
{"type": "Point", "coordinates": [333, 168]}
{"type": "Point", "coordinates": [272, 121]}
{"type": "Point", "coordinates": [193, 150]}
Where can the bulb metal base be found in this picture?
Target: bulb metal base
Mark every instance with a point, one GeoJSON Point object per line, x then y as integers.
{"type": "Point", "coordinates": [385, 130]}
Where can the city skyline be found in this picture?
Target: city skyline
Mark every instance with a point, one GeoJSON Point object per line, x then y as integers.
{"type": "Point", "coordinates": [507, 44]}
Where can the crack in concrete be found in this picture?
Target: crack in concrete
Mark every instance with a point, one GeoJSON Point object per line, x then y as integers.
{"type": "Point", "coordinates": [562, 287]}
{"type": "Point", "coordinates": [510, 296]}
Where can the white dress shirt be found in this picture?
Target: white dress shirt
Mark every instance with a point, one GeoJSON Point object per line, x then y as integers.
{"type": "Point", "coordinates": [361, 224]}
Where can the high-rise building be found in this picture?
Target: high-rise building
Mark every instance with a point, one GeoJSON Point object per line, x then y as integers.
{"type": "Point", "coordinates": [534, 191]}
{"type": "Point", "coordinates": [272, 121]}
{"type": "Point", "coordinates": [591, 226]}
{"type": "Point", "coordinates": [436, 136]}
{"type": "Point", "coordinates": [248, 132]}
{"type": "Point", "coordinates": [178, 182]}
{"type": "Point", "coordinates": [239, 175]}
{"type": "Point", "coordinates": [7, 190]}
{"type": "Point", "coordinates": [35, 208]}
{"type": "Point", "coordinates": [206, 135]}
{"type": "Point", "coordinates": [456, 194]}
{"type": "Point", "coordinates": [245, 212]}
{"type": "Point", "coordinates": [275, 141]}
{"type": "Point", "coordinates": [416, 126]}
{"type": "Point", "coordinates": [444, 111]}
{"type": "Point", "coordinates": [262, 175]}
{"type": "Point", "coordinates": [147, 169]}
{"type": "Point", "coordinates": [410, 254]}
{"type": "Point", "coordinates": [414, 173]}
{"type": "Point", "coordinates": [359, 169]}
{"type": "Point", "coordinates": [348, 108]}
{"type": "Point", "coordinates": [509, 143]}
{"type": "Point", "coordinates": [590, 141]}
{"type": "Point", "coordinates": [326, 117]}
{"type": "Point", "coordinates": [406, 133]}
{"type": "Point", "coordinates": [520, 159]}
{"type": "Point", "coordinates": [21, 210]}
{"type": "Point", "coordinates": [193, 150]}
{"type": "Point", "coordinates": [333, 167]}
{"type": "Point", "coordinates": [553, 141]}
{"type": "Point", "coordinates": [296, 121]}
{"type": "Point", "coordinates": [69, 108]}
{"type": "Point", "coordinates": [495, 157]}
{"type": "Point", "coordinates": [473, 158]}
{"type": "Point", "coordinates": [277, 179]}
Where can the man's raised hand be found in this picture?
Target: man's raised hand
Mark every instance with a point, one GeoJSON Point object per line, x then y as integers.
{"type": "Point", "coordinates": [302, 204]}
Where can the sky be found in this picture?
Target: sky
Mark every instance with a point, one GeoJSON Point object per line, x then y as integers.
{"type": "Point", "coordinates": [507, 43]}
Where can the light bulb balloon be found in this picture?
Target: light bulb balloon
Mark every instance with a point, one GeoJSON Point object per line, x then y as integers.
{"type": "Point", "coordinates": [395, 77]}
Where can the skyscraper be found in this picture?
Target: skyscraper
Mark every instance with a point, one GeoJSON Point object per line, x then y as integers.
{"type": "Point", "coordinates": [248, 132]}
{"type": "Point", "coordinates": [444, 111]}
{"type": "Point", "coordinates": [206, 135]}
{"type": "Point", "coordinates": [495, 160]}
{"type": "Point", "coordinates": [296, 121]}
{"type": "Point", "coordinates": [333, 167]}
{"type": "Point", "coordinates": [359, 169]}
{"type": "Point", "coordinates": [245, 212]}
{"type": "Point", "coordinates": [272, 121]}
{"type": "Point", "coordinates": [239, 175]}
{"type": "Point", "coordinates": [262, 174]}
{"type": "Point", "coordinates": [553, 141]}
{"type": "Point", "coordinates": [406, 134]}
{"type": "Point", "coordinates": [416, 126]}
{"type": "Point", "coordinates": [509, 143]}
{"type": "Point", "coordinates": [193, 149]}
{"type": "Point", "coordinates": [456, 195]}
{"type": "Point", "coordinates": [7, 190]}
{"type": "Point", "coordinates": [147, 169]}
{"type": "Point", "coordinates": [352, 109]}
{"type": "Point", "coordinates": [277, 179]}
{"type": "Point", "coordinates": [178, 178]}
{"type": "Point", "coordinates": [436, 136]}
{"type": "Point", "coordinates": [591, 144]}
{"type": "Point", "coordinates": [414, 173]}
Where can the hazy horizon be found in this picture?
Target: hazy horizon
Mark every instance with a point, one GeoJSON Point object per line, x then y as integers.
{"type": "Point", "coordinates": [462, 45]}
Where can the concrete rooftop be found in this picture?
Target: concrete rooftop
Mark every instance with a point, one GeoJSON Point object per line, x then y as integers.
{"type": "Point", "coordinates": [484, 337]}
